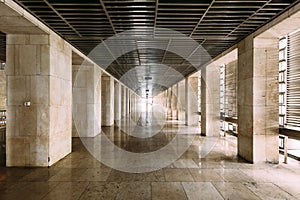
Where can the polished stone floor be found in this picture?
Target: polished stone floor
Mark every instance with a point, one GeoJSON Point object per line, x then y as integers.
{"type": "Point", "coordinates": [217, 174]}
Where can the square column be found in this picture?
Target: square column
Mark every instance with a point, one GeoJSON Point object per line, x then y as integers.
{"type": "Point", "coordinates": [123, 101]}
{"type": "Point", "coordinates": [258, 99]}
{"type": "Point", "coordinates": [191, 90]}
{"type": "Point", "coordinates": [166, 98]}
{"type": "Point", "coordinates": [169, 103]}
{"type": "Point", "coordinates": [2, 90]}
{"type": "Point", "coordinates": [181, 100]}
{"type": "Point", "coordinates": [86, 100]}
{"type": "Point", "coordinates": [127, 101]}
{"type": "Point", "coordinates": [175, 102]}
{"type": "Point", "coordinates": [133, 104]}
{"type": "Point", "coordinates": [137, 107]}
{"type": "Point", "coordinates": [39, 99]}
{"type": "Point", "coordinates": [186, 91]}
{"type": "Point", "coordinates": [210, 100]}
{"type": "Point", "coordinates": [107, 96]}
{"type": "Point", "coordinates": [117, 102]}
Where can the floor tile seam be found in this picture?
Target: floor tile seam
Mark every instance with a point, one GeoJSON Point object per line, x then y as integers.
{"type": "Point", "coordinates": [285, 190]}
{"type": "Point", "coordinates": [223, 179]}
{"type": "Point", "coordinates": [212, 183]}
{"type": "Point", "coordinates": [50, 190]}
{"type": "Point", "coordinates": [84, 190]}
{"type": "Point", "coordinates": [186, 196]}
{"type": "Point", "coordinates": [227, 180]}
{"type": "Point", "coordinates": [273, 184]}
{"type": "Point", "coordinates": [243, 183]}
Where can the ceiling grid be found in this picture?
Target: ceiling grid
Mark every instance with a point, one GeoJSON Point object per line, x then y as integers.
{"type": "Point", "coordinates": [215, 24]}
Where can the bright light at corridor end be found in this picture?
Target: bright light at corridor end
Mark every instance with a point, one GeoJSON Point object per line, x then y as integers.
{"type": "Point", "coordinates": [150, 116]}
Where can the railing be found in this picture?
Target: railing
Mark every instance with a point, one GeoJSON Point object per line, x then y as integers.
{"type": "Point", "coordinates": [2, 118]}
{"type": "Point", "coordinates": [228, 124]}
{"type": "Point", "coordinates": [283, 143]}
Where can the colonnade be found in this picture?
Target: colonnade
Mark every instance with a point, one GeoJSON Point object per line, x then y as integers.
{"type": "Point", "coordinates": [46, 89]}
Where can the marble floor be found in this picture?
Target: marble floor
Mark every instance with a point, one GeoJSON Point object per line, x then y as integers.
{"type": "Point", "coordinates": [215, 174]}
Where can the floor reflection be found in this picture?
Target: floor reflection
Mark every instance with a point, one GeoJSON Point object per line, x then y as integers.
{"type": "Point", "coordinates": [150, 134]}
{"type": "Point", "coordinates": [199, 173]}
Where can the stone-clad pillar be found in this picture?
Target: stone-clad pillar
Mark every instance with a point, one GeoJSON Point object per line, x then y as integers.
{"type": "Point", "coordinates": [39, 71]}
{"type": "Point", "coordinates": [130, 101]}
{"type": "Point", "coordinates": [133, 104]}
{"type": "Point", "coordinates": [210, 100]}
{"type": "Point", "coordinates": [258, 99]}
{"type": "Point", "coordinates": [117, 102]}
{"type": "Point", "coordinates": [123, 101]}
{"type": "Point", "coordinates": [127, 101]}
{"type": "Point", "coordinates": [169, 103]}
{"type": "Point", "coordinates": [191, 84]}
{"type": "Point", "coordinates": [174, 102]}
{"type": "Point", "coordinates": [86, 80]}
{"type": "Point", "coordinates": [181, 100]}
{"type": "Point", "coordinates": [137, 107]}
{"type": "Point", "coordinates": [177, 104]}
{"type": "Point", "coordinates": [165, 100]}
{"type": "Point", "coordinates": [2, 90]}
{"type": "Point", "coordinates": [186, 91]}
{"type": "Point", "coordinates": [107, 100]}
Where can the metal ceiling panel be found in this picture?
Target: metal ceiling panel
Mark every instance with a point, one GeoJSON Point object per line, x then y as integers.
{"type": "Point", "coordinates": [2, 47]}
{"type": "Point", "coordinates": [214, 24]}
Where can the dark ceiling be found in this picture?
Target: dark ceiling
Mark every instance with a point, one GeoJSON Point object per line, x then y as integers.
{"type": "Point", "coordinates": [214, 24]}
{"type": "Point", "coordinates": [2, 47]}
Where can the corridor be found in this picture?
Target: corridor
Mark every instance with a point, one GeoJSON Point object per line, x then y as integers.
{"type": "Point", "coordinates": [209, 169]}
{"type": "Point", "coordinates": [149, 99]}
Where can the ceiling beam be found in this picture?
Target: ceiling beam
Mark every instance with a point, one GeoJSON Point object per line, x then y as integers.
{"type": "Point", "coordinates": [155, 16]}
{"type": "Point", "coordinates": [107, 15]}
{"type": "Point", "coordinates": [59, 15]}
{"type": "Point", "coordinates": [192, 53]}
{"type": "Point", "coordinates": [138, 53]}
{"type": "Point", "coordinates": [112, 55]}
{"type": "Point", "coordinates": [166, 51]}
{"type": "Point", "coordinates": [248, 18]}
{"type": "Point", "coordinates": [195, 37]}
{"type": "Point", "coordinates": [202, 17]}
